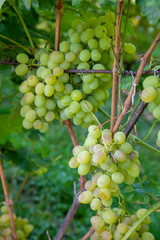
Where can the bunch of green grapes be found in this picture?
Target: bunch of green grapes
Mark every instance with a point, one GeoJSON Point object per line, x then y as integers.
{"type": "Point", "coordinates": [151, 95]}
{"type": "Point", "coordinates": [112, 224]}
{"type": "Point", "coordinates": [23, 227]}
{"type": "Point", "coordinates": [50, 92]}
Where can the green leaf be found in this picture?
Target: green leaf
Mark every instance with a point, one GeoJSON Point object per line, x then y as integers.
{"type": "Point", "coordinates": [1, 2]}
{"type": "Point", "coordinates": [27, 3]}
{"type": "Point", "coordinates": [47, 4]}
{"type": "Point", "coordinates": [76, 3]}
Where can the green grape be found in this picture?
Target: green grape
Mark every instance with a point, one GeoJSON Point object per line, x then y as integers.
{"type": "Point", "coordinates": [156, 112]}
{"type": "Point", "coordinates": [94, 131]}
{"type": "Point", "coordinates": [21, 69]}
{"type": "Point", "coordinates": [76, 48]}
{"type": "Point", "coordinates": [122, 228]}
{"type": "Point", "coordinates": [71, 31]}
{"type": "Point", "coordinates": [28, 228]}
{"type": "Point", "coordinates": [107, 203]}
{"type": "Point", "coordinates": [98, 67]}
{"type": "Point", "coordinates": [4, 209]}
{"type": "Point", "coordinates": [73, 162]}
{"type": "Point", "coordinates": [110, 17]}
{"type": "Point", "coordinates": [97, 222]}
{"type": "Point", "coordinates": [113, 168]}
{"type": "Point", "coordinates": [105, 43]}
{"type": "Point", "coordinates": [24, 87]}
{"type": "Point", "coordinates": [26, 124]}
{"type": "Point", "coordinates": [95, 55]}
{"type": "Point", "coordinates": [84, 157]}
{"type": "Point", "coordinates": [28, 98]}
{"type": "Point", "coordinates": [125, 164]}
{"type": "Point", "coordinates": [64, 78]}
{"type": "Point", "coordinates": [151, 81]}
{"type": "Point", "coordinates": [105, 194]}
{"type": "Point", "coordinates": [75, 38]}
{"type": "Point", "coordinates": [52, 65]}
{"type": "Point", "coordinates": [77, 121]}
{"type": "Point", "coordinates": [85, 197]}
{"type": "Point", "coordinates": [84, 55]}
{"type": "Point", "coordinates": [99, 94]}
{"type": "Point", "coordinates": [68, 113]}
{"type": "Point", "coordinates": [126, 148]}
{"type": "Point", "coordinates": [22, 58]}
{"type": "Point", "coordinates": [70, 56]}
{"type": "Point", "coordinates": [110, 29]}
{"type": "Point", "coordinates": [58, 71]}
{"type": "Point", "coordinates": [41, 111]}
{"type": "Point", "coordinates": [133, 170]}
{"type": "Point", "coordinates": [140, 213]}
{"type": "Point", "coordinates": [147, 236]}
{"type": "Point", "coordinates": [106, 139]}
{"type": "Point", "coordinates": [40, 101]}
{"type": "Point", "coordinates": [119, 137]}
{"type": "Point", "coordinates": [74, 107]}
{"type": "Point", "coordinates": [45, 72]}
{"type": "Point", "coordinates": [68, 88]}
{"type": "Point", "coordinates": [87, 35]}
{"type": "Point", "coordinates": [148, 94]}
{"type": "Point", "coordinates": [120, 156]}
{"type": "Point", "coordinates": [64, 46]}
{"type": "Point", "coordinates": [59, 86]}
{"type": "Point", "coordinates": [87, 78]}
{"type": "Point", "coordinates": [103, 181]}
{"type": "Point", "coordinates": [106, 235]}
{"type": "Point", "coordinates": [24, 110]}
{"type": "Point", "coordinates": [57, 57]}
{"type": "Point", "coordinates": [7, 231]}
{"type": "Point", "coordinates": [49, 116]}
{"type": "Point", "coordinates": [77, 150]}
{"type": "Point", "coordinates": [65, 101]}
{"type": "Point", "coordinates": [92, 44]}
{"type": "Point", "coordinates": [129, 48]}
{"type": "Point", "coordinates": [44, 58]}
{"type": "Point", "coordinates": [95, 204]}
{"type": "Point", "coordinates": [39, 52]}
{"type": "Point", "coordinates": [80, 114]}
{"type": "Point", "coordinates": [50, 79]}
{"type": "Point", "coordinates": [39, 89]}
{"type": "Point", "coordinates": [129, 179]}
{"type": "Point", "coordinates": [117, 177]}
{"type": "Point", "coordinates": [86, 88]}
{"type": "Point", "coordinates": [30, 115]}
{"type": "Point", "coordinates": [86, 106]}
{"type": "Point", "coordinates": [39, 71]}
{"type": "Point", "coordinates": [32, 80]}
{"type": "Point", "coordinates": [38, 124]}
{"type": "Point", "coordinates": [92, 22]}
{"type": "Point", "coordinates": [90, 141]}
{"type": "Point", "coordinates": [144, 228]}
{"type": "Point", "coordinates": [83, 169]}
{"type": "Point", "coordinates": [65, 65]}
{"type": "Point", "coordinates": [90, 185]}
{"type": "Point", "coordinates": [100, 31]}
{"type": "Point", "coordinates": [76, 95]}
{"type": "Point", "coordinates": [48, 90]}
{"type": "Point", "coordinates": [96, 192]}
{"type": "Point", "coordinates": [106, 164]}
{"type": "Point", "coordinates": [157, 98]}
{"type": "Point", "coordinates": [81, 27]}
{"type": "Point", "coordinates": [44, 128]}
{"type": "Point", "coordinates": [109, 216]}
{"type": "Point", "coordinates": [83, 65]}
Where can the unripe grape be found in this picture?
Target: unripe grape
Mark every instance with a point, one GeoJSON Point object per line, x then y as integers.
{"type": "Point", "coordinates": [77, 150]}
{"type": "Point", "coordinates": [117, 177]}
{"type": "Point", "coordinates": [94, 131]}
{"type": "Point", "coordinates": [44, 58]}
{"type": "Point", "coordinates": [22, 58]}
{"type": "Point", "coordinates": [148, 94]}
{"type": "Point", "coordinates": [105, 194]}
{"type": "Point", "coordinates": [50, 79]}
{"type": "Point", "coordinates": [58, 71]}
{"type": "Point", "coordinates": [26, 124]}
{"type": "Point", "coordinates": [85, 55]}
{"type": "Point", "coordinates": [99, 157]}
{"type": "Point", "coordinates": [92, 44]}
{"type": "Point", "coordinates": [119, 137]}
{"type": "Point", "coordinates": [150, 81]}
{"type": "Point", "coordinates": [87, 78]}
{"type": "Point", "coordinates": [28, 98]}
{"type": "Point", "coordinates": [99, 94]}
{"type": "Point", "coordinates": [133, 170]}
{"type": "Point", "coordinates": [38, 124]}
{"type": "Point", "coordinates": [109, 216]}
{"type": "Point", "coordinates": [49, 116]}
{"type": "Point", "coordinates": [95, 204]}
{"type": "Point", "coordinates": [129, 48]}
{"type": "Point", "coordinates": [57, 57]}
{"type": "Point", "coordinates": [48, 90]}
{"type": "Point", "coordinates": [100, 31]}
{"type": "Point", "coordinates": [105, 43]}
{"type": "Point", "coordinates": [21, 69]}
{"type": "Point", "coordinates": [95, 55]}
{"type": "Point", "coordinates": [74, 107]}
{"type": "Point", "coordinates": [65, 65]}
{"type": "Point", "coordinates": [73, 162]}
{"type": "Point", "coordinates": [44, 128]}
{"type": "Point", "coordinates": [126, 148]}
{"type": "Point", "coordinates": [103, 181]}
{"type": "Point", "coordinates": [156, 112]}
{"type": "Point", "coordinates": [85, 197]}
{"type": "Point", "coordinates": [39, 89]}
{"type": "Point", "coordinates": [120, 156]}
{"type": "Point", "coordinates": [30, 115]}
{"type": "Point", "coordinates": [28, 228]}
{"type": "Point", "coordinates": [40, 100]}
{"type": "Point", "coordinates": [4, 209]}
{"type": "Point", "coordinates": [106, 235]}
{"type": "Point", "coordinates": [24, 109]}
{"type": "Point", "coordinates": [147, 236]}
{"type": "Point", "coordinates": [70, 56]}
{"type": "Point", "coordinates": [45, 72]}
{"type": "Point", "coordinates": [83, 65]}
{"type": "Point", "coordinates": [83, 169]}
{"type": "Point", "coordinates": [97, 222]}
{"type": "Point", "coordinates": [84, 157]}
{"type": "Point", "coordinates": [41, 111]}
{"type": "Point", "coordinates": [87, 35]}
{"type": "Point", "coordinates": [107, 203]}
{"type": "Point", "coordinates": [64, 46]}
{"type": "Point", "coordinates": [24, 87]}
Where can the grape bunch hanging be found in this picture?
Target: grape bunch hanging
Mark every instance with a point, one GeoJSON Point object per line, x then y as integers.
{"type": "Point", "coordinates": [50, 92]}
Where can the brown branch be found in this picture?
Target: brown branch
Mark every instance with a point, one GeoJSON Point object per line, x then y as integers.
{"type": "Point", "coordinates": [144, 61]}
{"type": "Point", "coordinates": [72, 211]}
{"type": "Point", "coordinates": [115, 64]}
{"type": "Point", "coordinates": [68, 125]}
{"type": "Point", "coordinates": [59, 8]}
{"type": "Point", "coordinates": [134, 118]}
{"type": "Point", "coordinates": [7, 200]}
{"type": "Point", "coordinates": [88, 234]}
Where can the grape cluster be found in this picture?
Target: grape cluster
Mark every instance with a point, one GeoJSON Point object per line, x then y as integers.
{"type": "Point", "coordinates": [23, 228]}
{"type": "Point", "coordinates": [151, 95]}
{"type": "Point", "coordinates": [113, 224]}
{"type": "Point", "coordinates": [50, 93]}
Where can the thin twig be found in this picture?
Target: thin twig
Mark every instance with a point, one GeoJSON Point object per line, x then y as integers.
{"type": "Point", "coordinates": [144, 61]}
{"type": "Point", "coordinates": [7, 200]}
{"type": "Point", "coordinates": [49, 238]}
{"type": "Point", "coordinates": [116, 62]}
{"type": "Point", "coordinates": [88, 234]}
{"type": "Point", "coordinates": [59, 8]}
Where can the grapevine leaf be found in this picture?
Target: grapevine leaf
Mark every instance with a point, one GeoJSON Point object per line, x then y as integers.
{"type": "Point", "coordinates": [1, 3]}
{"type": "Point", "coordinates": [27, 3]}
{"type": "Point", "coordinates": [76, 3]}
{"type": "Point", "coordinates": [46, 5]}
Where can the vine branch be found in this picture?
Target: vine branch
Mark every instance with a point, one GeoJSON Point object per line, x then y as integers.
{"type": "Point", "coordinates": [144, 61]}
{"type": "Point", "coordinates": [7, 200]}
{"type": "Point", "coordinates": [88, 234]}
{"type": "Point", "coordinates": [115, 64]}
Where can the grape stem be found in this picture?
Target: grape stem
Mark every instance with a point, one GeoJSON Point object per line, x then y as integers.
{"type": "Point", "coordinates": [116, 62]}
{"type": "Point", "coordinates": [88, 234]}
{"type": "Point", "coordinates": [143, 63]}
{"type": "Point", "coordinates": [128, 234]}
{"type": "Point", "coordinates": [59, 9]}
{"type": "Point", "coordinates": [7, 199]}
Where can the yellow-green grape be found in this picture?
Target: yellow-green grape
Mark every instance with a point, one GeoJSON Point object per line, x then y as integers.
{"type": "Point", "coordinates": [4, 209]}
{"type": "Point", "coordinates": [119, 137]}
{"type": "Point", "coordinates": [90, 185]}
{"type": "Point", "coordinates": [95, 204]}
{"type": "Point", "coordinates": [39, 88]}
{"type": "Point", "coordinates": [64, 46]}
{"type": "Point", "coordinates": [107, 203]}
{"type": "Point", "coordinates": [120, 156]}
{"type": "Point", "coordinates": [85, 197]}
{"type": "Point", "coordinates": [156, 112]}
{"type": "Point", "coordinates": [99, 157]}
{"type": "Point", "coordinates": [50, 79]}
{"type": "Point", "coordinates": [105, 194]}
{"type": "Point", "coordinates": [49, 116]}
{"type": "Point", "coordinates": [6, 231]}
{"type": "Point", "coordinates": [38, 124]}
{"type": "Point", "coordinates": [147, 236]}
{"type": "Point", "coordinates": [21, 69]}
{"type": "Point", "coordinates": [28, 98]}
{"type": "Point", "coordinates": [57, 57]}
{"type": "Point", "coordinates": [103, 181]}
{"type": "Point", "coordinates": [44, 58]}
{"type": "Point", "coordinates": [48, 90]}
{"type": "Point", "coordinates": [84, 157]}
{"type": "Point", "coordinates": [40, 101]}
{"type": "Point", "coordinates": [22, 58]}
{"type": "Point", "coordinates": [44, 128]}
{"type": "Point", "coordinates": [32, 80]}
{"type": "Point", "coordinates": [129, 48]}
{"type": "Point", "coordinates": [133, 170]}
{"type": "Point", "coordinates": [97, 222]}
{"type": "Point", "coordinates": [83, 169]}
{"type": "Point", "coordinates": [26, 124]}
{"type": "Point", "coordinates": [117, 177]}
{"type": "Point", "coordinates": [73, 163]}
{"type": "Point", "coordinates": [58, 71]}
{"type": "Point", "coordinates": [150, 81]}
{"type": "Point", "coordinates": [94, 131]}
{"type": "Point", "coordinates": [148, 94]}
{"type": "Point", "coordinates": [45, 73]}
{"type": "Point", "coordinates": [5, 218]}
{"type": "Point", "coordinates": [109, 216]}
{"type": "Point", "coordinates": [70, 56]}
{"type": "Point", "coordinates": [30, 115]}
{"type": "Point", "coordinates": [122, 228]}
{"type": "Point", "coordinates": [77, 150]}
{"type": "Point", "coordinates": [126, 148]}
{"type": "Point", "coordinates": [106, 235]}
{"type": "Point", "coordinates": [24, 110]}
{"type": "Point", "coordinates": [41, 111]}
{"type": "Point", "coordinates": [76, 95]}
{"type": "Point", "coordinates": [28, 228]}
{"type": "Point", "coordinates": [24, 87]}
{"type": "Point", "coordinates": [95, 236]}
